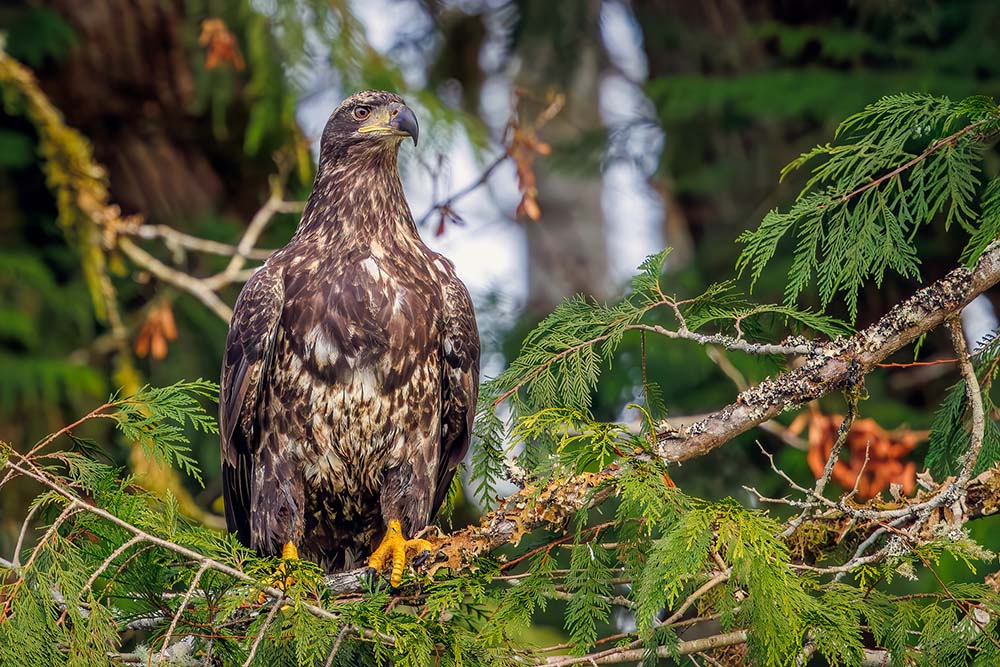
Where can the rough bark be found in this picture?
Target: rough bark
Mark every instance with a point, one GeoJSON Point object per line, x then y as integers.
{"type": "Point", "coordinates": [129, 86]}
{"type": "Point", "coordinates": [838, 364]}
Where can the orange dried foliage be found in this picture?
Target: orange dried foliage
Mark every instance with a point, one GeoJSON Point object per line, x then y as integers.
{"type": "Point", "coordinates": [523, 146]}
{"type": "Point", "coordinates": [158, 328]}
{"type": "Point", "coordinates": [887, 453]}
{"type": "Point", "coordinates": [220, 45]}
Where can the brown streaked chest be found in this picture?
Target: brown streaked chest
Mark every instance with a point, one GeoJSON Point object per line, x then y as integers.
{"type": "Point", "coordinates": [359, 345]}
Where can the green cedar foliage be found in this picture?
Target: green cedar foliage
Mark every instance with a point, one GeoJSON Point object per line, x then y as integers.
{"type": "Point", "coordinates": [950, 434]}
{"type": "Point", "coordinates": [82, 595]}
{"type": "Point", "coordinates": [74, 597]}
{"type": "Point", "coordinates": [904, 162]}
{"type": "Point", "coordinates": [549, 386]}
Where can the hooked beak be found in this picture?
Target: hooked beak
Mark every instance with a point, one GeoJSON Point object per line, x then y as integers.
{"type": "Point", "coordinates": [404, 121]}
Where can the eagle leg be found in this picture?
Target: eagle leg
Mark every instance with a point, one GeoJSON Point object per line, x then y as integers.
{"type": "Point", "coordinates": [394, 549]}
{"type": "Point", "coordinates": [281, 579]}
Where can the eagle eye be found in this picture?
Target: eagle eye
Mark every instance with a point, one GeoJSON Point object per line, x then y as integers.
{"type": "Point", "coordinates": [361, 113]}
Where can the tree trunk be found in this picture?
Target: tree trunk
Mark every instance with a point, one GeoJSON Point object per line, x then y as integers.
{"type": "Point", "coordinates": [128, 86]}
{"type": "Point", "coordinates": [567, 253]}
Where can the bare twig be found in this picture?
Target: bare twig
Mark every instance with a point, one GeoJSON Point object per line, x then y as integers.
{"type": "Point", "coordinates": [25, 525]}
{"type": "Point", "coordinates": [842, 433]}
{"type": "Point", "coordinates": [448, 203]}
{"type": "Point", "coordinates": [619, 655]}
{"type": "Point", "coordinates": [174, 238]}
{"type": "Point", "coordinates": [727, 342]}
{"type": "Point", "coordinates": [125, 546]}
{"type": "Point", "coordinates": [198, 288]}
{"type": "Point", "coordinates": [336, 645]}
{"type": "Point", "coordinates": [180, 610]}
{"type": "Point", "coordinates": [682, 332]}
{"type": "Point", "coordinates": [972, 393]}
{"type": "Point", "coordinates": [259, 222]}
{"type": "Point", "coordinates": [857, 480]}
{"type": "Point", "coordinates": [831, 461]}
{"type": "Point", "coordinates": [96, 413]}
{"type": "Point", "coordinates": [206, 289]}
{"type": "Point", "coordinates": [263, 630]}
{"type": "Point", "coordinates": [720, 578]}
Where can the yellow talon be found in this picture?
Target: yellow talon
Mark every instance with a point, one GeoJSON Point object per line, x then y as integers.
{"type": "Point", "coordinates": [396, 547]}
{"type": "Point", "coordinates": [281, 579]}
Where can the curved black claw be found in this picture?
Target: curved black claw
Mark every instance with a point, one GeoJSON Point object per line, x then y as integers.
{"type": "Point", "coordinates": [421, 558]}
{"type": "Point", "coordinates": [371, 578]}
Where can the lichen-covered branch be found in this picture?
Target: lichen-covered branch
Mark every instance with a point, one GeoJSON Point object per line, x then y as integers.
{"type": "Point", "coordinates": [830, 368]}
{"type": "Point", "coordinates": [838, 364]}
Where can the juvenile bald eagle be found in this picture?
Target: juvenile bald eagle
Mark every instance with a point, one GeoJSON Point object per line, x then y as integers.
{"type": "Point", "coordinates": [351, 367]}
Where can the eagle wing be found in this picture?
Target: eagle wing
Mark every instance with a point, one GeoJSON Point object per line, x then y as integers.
{"type": "Point", "coordinates": [459, 384]}
{"type": "Point", "coordinates": [245, 368]}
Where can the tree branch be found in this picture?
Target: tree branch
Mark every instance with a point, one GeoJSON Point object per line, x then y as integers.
{"type": "Point", "coordinates": [447, 203]}
{"type": "Point", "coordinates": [619, 655]}
{"type": "Point", "coordinates": [831, 367]}
{"type": "Point", "coordinates": [183, 281]}
{"type": "Point", "coordinates": [973, 395]}
{"type": "Point", "coordinates": [838, 364]}
{"type": "Point", "coordinates": [940, 143]}
{"type": "Point", "coordinates": [75, 505]}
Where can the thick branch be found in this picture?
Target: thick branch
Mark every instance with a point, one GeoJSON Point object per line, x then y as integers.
{"type": "Point", "coordinates": [831, 368]}
{"type": "Point", "coordinates": [838, 364]}
{"type": "Point", "coordinates": [632, 655]}
{"type": "Point", "coordinates": [521, 513]}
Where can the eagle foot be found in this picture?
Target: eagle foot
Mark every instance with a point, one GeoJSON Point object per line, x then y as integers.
{"type": "Point", "coordinates": [394, 550]}
{"type": "Point", "coordinates": [281, 579]}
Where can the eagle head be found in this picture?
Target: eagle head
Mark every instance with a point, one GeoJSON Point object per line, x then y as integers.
{"type": "Point", "coordinates": [372, 120]}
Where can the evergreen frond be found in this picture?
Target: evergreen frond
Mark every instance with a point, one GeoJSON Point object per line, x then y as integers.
{"type": "Point", "coordinates": [950, 434]}
{"type": "Point", "coordinates": [894, 167]}
{"type": "Point", "coordinates": [989, 224]}
{"type": "Point", "coordinates": [589, 581]}
{"type": "Point", "coordinates": [156, 418]}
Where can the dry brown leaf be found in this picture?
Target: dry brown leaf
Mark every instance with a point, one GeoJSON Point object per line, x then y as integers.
{"type": "Point", "coordinates": [158, 328]}
{"type": "Point", "coordinates": [220, 45]}
{"type": "Point", "coordinates": [523, 147]}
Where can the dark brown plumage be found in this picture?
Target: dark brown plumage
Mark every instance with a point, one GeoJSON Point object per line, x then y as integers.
{"type": "Point", "coordinates": [352, 361]}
